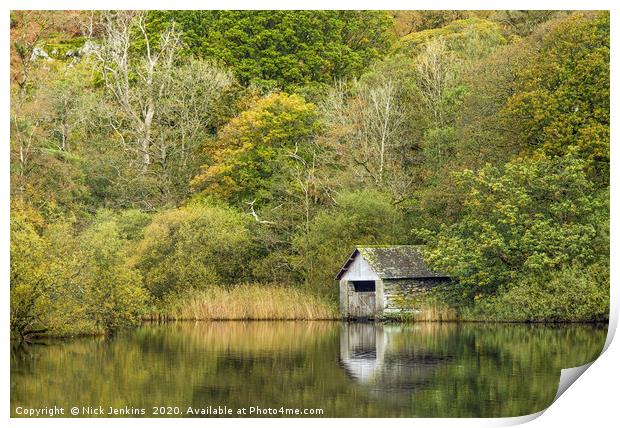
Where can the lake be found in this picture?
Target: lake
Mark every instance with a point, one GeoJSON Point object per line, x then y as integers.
{"type": "Point", "coordinates": [342, 369]}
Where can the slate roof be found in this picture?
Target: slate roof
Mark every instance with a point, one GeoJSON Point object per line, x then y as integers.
{"type": "Point", "coordinates": [393, 262]}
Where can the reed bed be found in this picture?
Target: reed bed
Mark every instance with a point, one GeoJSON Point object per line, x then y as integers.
{"type": "Point", "coordinates": [249, 302]}
{"type": "Point", "coordinates": [436, 313]}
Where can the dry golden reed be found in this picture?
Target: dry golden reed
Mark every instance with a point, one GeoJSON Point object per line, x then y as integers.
{"type": "Point", "coordinates": [251, 302]}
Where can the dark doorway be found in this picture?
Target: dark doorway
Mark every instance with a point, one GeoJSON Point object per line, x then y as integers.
{"type": "Point", "coordinates": [363, 286]}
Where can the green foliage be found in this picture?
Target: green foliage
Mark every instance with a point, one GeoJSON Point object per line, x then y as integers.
{"type": "Point", "coordinates": [484, 132]}
{"type": "Point", "coordinates": [67, 308]}
{"type": "Point", "coordinates": [523, 22]}
{"type": "Point", "coordinates": [67, 282]}
{"type": "Point", "coordinates": [131, 224]}
{"type": "Point", "coordinates": [283, 49]}
{"type": "Point", "coordinates": [193, 248]}
{"type": "Point", "coordinates": [47, 127]}
{"type": "Point", "coordinates": [29, 278]}
{"type": "Point", "coordinates": [251, 152]}
{"type": "Point", "coordinates": [364, 217]}
{"type": "Point", "coordinates": [413, 21]}
{"type": "Point", "coordinates": [472, 37]}
{"type": "Point", "coordinates": [436, 64]}
{"type": "Point", "coordinates": [562, 99]}
{"type": "Point", "coordinates": [113, 292]}
{"type": "Point", "coordinates": [526, 218]}
{"type": "Point", "coordinates": [575, 293]}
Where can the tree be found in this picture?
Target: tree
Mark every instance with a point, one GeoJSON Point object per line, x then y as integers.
{"type": "Point", "coordinates": [380, 118]}
{"type": "Point", "coordinates": [443, 59]}
{"type": "Point", "coordinates": [66, 282]}
{"type": "Point", "coordinates": [164, 108]}
{"type": "Point", "coordinates": [283, 49]}
{"type": "Point", "coordinates": [136, 81]}
{"type": "Point", "coordinates": [573, 293]}
{"type": "Point", "coordinates": [288, 137]}
{"type": "Point", "coordinates": [48, 139]}
{"type": "Point", "coordinates": [528, 217]}
{"type": "Point", "coordinates": [562, 96]}
{"type": "Point", "coordinates": [28, 30]}
{"type": "Point", "coordinates": [369, 129]}
{"type": "Point", "coordinates": [437, 67]}
{"type": "Point", "coordinates": [201, 97]}
{"type": "Point", "coordinates": [413, 21]}
{"type": "Point", "coordinates": [483, 132]}
{"type": "Point", "coordinates": [523, 22]}
{"type": "Point", "coordinates": [469, 38]}
{"type": "Point", "coordinates": [250, 153]}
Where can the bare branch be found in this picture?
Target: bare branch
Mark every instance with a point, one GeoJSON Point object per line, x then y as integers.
{"type": "Point", "coordinates": [253, 213]}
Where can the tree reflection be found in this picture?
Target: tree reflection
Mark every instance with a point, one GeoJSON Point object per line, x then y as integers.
{"type": "Point", "coordinates": [347, 369]}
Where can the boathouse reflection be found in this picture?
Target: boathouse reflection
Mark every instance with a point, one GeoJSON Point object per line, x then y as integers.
{"type": "Point", "coordinates": [381, 356]}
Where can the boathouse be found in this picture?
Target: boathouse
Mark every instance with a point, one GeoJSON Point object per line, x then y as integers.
{"type": "Point", "coordinates": [374, 281]}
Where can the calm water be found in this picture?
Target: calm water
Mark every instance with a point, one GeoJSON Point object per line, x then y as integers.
{"type": "Point", "coordinates": [345, 369]}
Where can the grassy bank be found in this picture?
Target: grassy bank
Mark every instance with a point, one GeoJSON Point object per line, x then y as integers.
{"type": "Point", "coordinates": [247, 302]}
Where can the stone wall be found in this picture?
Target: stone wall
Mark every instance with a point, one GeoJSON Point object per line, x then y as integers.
{"type": "Point", "coordinates": [407, 294]}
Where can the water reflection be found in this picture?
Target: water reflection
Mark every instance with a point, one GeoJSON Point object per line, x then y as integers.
{"type": "Point", "coordinates": [362, 347]}
{"type": "Point", "coordinates": [346, 369]}
{"type": "Point", "coordinates": [465, 369]}
{"type": "Point", "coordinates": [370, 354]}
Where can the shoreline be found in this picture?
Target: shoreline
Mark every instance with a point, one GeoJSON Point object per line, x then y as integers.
{"type": "Point", "coordinates": [147, 323]}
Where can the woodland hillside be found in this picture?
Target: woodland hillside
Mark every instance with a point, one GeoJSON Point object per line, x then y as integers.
{"type": "Point", "coordinates": [160, 156]}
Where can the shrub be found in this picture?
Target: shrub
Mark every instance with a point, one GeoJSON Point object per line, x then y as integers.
{"type": "Point", "coordinates": [65, 283]}
{"type": "Point", "coordinates": [29, 278]}
{"type": "Point", "coordinates": [575, 293]}
{"type": "Point", "coordinates": [113, 295]}
{"type": "Point", "coordinates": [193, 248]}
{"type": "Point", "coordinates": [364, 217]}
